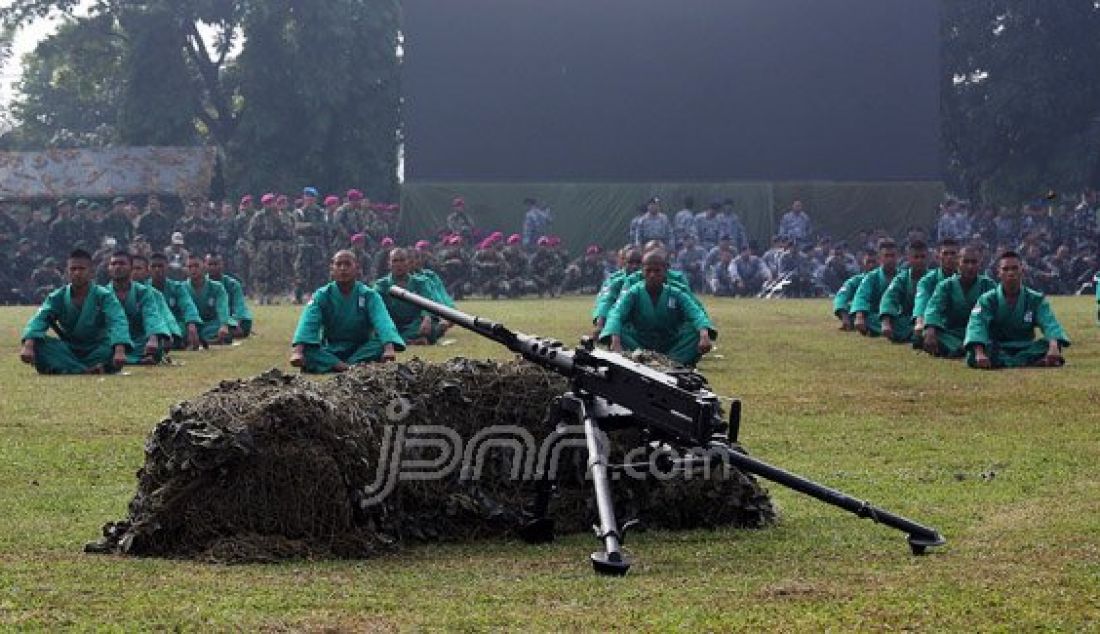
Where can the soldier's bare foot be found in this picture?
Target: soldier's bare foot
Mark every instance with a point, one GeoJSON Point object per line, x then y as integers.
{"type": "Point", "coordinates": [340, 367]}
{"type": "Point", "coordinates": [95, 369]}
{"type": "Point", "coordinates": [147, 360]}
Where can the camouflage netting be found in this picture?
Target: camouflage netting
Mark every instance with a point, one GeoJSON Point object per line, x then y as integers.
{"type": "Point", "coordinates": [274, 467]}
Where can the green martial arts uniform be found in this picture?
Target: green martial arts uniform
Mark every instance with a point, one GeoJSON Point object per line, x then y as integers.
{"type": "Point", "coordinates": [670, 325]}
{"type": "Point", "coordinates": [337, 328]}
{"type": "Point", "coordinates": [404, 315]}
{"type": "Point", "coordinates": [842, 302]}
{"type": "Point", "coordinates": [606, 301]}
{"type": "Point", "coordinates": [166, 316]}
{"type": "Point", "coordinates": [213, 305]}
{"type": "Point", "coordinates": [88, 333]}
{"type": "Point", "coordinates": [609, 292]}
{"type": "Point", "coordinates": [239, 313]}
{"type": "Point", "coordinates": [925, 287]}
{"type": "Point", "coordinates": [897, 303]}
{"type": "Point", "coordinates": [145, 320]}
{"type": "Point", "coordinates": [1008, 331]}
{"type": "Point", "coordinates": [948, 311]}
{"type": "Point", "coordinates": [437, 286]}
{"type": "Point", "coordinates": [868, 298]}
{"type": "Point", "coordinates": [177, 297]}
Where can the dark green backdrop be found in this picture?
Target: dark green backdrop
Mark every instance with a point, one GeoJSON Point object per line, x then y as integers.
{"type": "Point", "coordinates": [600, 213]}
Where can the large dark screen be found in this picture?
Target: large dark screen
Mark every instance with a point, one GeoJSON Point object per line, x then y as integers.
{"type": "Point", "coordinates": [651, 90]}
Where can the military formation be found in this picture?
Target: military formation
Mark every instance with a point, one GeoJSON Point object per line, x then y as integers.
{"type": "Point", "coordinates": [125, 303]}
{"type": "Point", "coordinates": [950, 309]}
{"type": "Point", "coordinates": [138, 317]}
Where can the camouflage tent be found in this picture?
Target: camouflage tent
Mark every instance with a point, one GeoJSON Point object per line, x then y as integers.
{"type": "Point", "coordinates": [106, 172]}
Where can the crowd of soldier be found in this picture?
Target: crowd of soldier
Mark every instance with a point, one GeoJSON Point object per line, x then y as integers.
{"type": "Point", "coordinates": [137, 317]}
{"type": "Point", "coordinates": [272, 243]}
{"type": "Point", "coordinates": [949, 308]}
{"type": "Point", "coordinates": [1058, 245]}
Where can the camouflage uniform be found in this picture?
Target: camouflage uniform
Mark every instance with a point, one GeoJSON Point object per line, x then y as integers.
{"type": "Point", "coordinates": [269, 234]}
{"type": "Point", "coordinates": [584, 274]}
{"type": "Point", "coordinates": [546, 271]}
{"type": "Point", "coordinates": [62, 237]}
{"type": "Point", "coordinates": [346, 222]}
{"type": "Point", "coordinates": [488, 272]}
{"type": "Point", "coordinates": [454, 268]}
{"type": "Point", "coordinates": [156, 227]}
{"type": "Point", "coordinates": [310, 241]}
{"type": "Point", "coordinates": [45, 280]}
{"type": "Point", "coordinates": [515, 270]}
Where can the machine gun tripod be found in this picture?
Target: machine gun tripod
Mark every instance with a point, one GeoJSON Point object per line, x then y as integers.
{"type": "Point", "coordinates": [608, 389]}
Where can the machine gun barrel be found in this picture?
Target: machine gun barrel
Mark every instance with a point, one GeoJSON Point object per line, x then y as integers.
{"type": "Point", "coordinates": [545, 352]}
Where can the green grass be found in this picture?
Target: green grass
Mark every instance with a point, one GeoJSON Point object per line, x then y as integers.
{"type": "Point", "coordinates": [1004, 464]}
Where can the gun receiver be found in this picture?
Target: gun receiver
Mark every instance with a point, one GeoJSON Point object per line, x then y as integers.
{"type": "Point", "coordinates": [673, 407]}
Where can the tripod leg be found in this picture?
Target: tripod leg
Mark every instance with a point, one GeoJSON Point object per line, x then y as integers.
{"type": "Point", "coordinates": [610, 561]}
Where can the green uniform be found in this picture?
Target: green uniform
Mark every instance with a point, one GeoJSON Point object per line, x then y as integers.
{"type": "Point", "coordinates": [145, 319]}
{"type": "Point", "coordinates": [405, 316]}
{"type": "Point", "coordinates": [898, 303]}
{"type": "Point", "coordinates": [438, 288]}
{"type": "Point", "coordinates": [1008, 330]}
{"type": "Point", "coordinates": [948, 311]}
{"type": "Point", "coordinates": [842, 302]}
{"type": "Point", "coordinates": [179, 303]}
{"type": "Point", "coordinates": [239, 313]}
{"type": "Point", "coordinates": [925, 287]}
{"type": "Point", "coordinates": [669, 325]}
{"type": "Point", "coordinates": [868, 298]}
{"type": "Point", "coordinates": [88, 332]}
{"type": "Point", "coordinates": [166, 315]}
{"type": "Point", "coordinates": [213, 305]}
{"type": "Point", "coordinates": [605, 301]}
{"type": "Point", "coordinates": [337, 328]}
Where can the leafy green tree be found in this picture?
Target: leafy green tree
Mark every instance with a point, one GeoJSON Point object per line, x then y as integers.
{"type": "Point", "coordinates": [312, 97]}
{"type": "Point", "coordinates": [1021, 96]}
{"type": "Point", "coordinates": [69, 89]}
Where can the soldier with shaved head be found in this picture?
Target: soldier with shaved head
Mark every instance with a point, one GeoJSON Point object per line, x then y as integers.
{"type": "Point", "coordinates": [345, 323]}
{"type": "Point", "coordinates": [658, 316]}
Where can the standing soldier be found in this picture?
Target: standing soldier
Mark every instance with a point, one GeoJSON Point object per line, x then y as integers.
{"type": "Point", "coordinates": [536, 222]}
{"type": "Point", "coordinates": [268, 233]}
{"type": "Point", "coordinates": [653, 224]}
{"type": "Point", "coordinates": [683, 223]}
{"type": "Point", "coordinates": [348, 220]}
{"type": "Point", "coordinates": [63, 231]}
{"type": "Point", "coordinates": [37, 231]}
{"type": "Point", "coordinates": [154, 224]}
{"type": "Point", "coordinates": [458, 221]}
{"type": "Point", "coordinates": [310, 233]}
{"type": "Point", "coordinates": [117, 224]}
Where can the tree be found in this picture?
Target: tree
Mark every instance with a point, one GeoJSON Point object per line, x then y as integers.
{"type": "Point", "coordinates": [1021, 96]}
{"type": "Point", "coordinates": [320, 80]}
{"type": "Point", "coordinates": [313, 96]}
{"type": "Point", "coordinates": [70, 86]}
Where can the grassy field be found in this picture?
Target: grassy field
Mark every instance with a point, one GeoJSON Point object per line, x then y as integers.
{"type": "Point", "coordinates": [1003, 464]}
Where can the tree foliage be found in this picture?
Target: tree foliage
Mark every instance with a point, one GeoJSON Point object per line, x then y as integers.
{"type": "Point", "coordinates": [1021, 96]}
{"type": "Point", "coordinates": [70, 88]}
{"type": "Point", "coordinates": [292, 91]}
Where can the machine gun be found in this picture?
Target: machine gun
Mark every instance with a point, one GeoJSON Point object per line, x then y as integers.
{"type": "Point", "coordinates": [609, 390]}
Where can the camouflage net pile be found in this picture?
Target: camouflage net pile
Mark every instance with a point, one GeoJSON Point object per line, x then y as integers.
{"type": "Point", "coordinates": [275, 467]}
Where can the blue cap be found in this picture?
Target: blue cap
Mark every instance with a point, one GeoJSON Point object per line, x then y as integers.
{"type": "Point", "coordinates": [310, 191]}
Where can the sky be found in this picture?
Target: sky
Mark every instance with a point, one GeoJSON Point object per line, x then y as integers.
{"type": "Point", "coordinates": [25, 41]}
